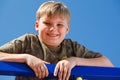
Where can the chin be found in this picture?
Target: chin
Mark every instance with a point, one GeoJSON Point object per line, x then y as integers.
{"type": "Point", "coordinates": [53, 44]}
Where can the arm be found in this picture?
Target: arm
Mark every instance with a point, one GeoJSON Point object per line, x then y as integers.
{"type": "Point", "coordinates": [36, 64]}
{"type": "Point", "coordinates": [64, 67]}
{"type": "Point", "coordinates": [19, 50]}
{"type": "Point", "coordinates": [82, 56]}
{"type": "Point", "coordinates": [12, 57]}
{"type": "Point", "coordinates": [100, 61]}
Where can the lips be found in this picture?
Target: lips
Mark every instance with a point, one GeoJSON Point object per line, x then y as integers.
{"type": "Point", "coordinates": [52, 35]}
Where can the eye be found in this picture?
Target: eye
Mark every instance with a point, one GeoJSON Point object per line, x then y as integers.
{"type": "Point", "coordinates": [47, 23]}
{"type": "Point", "coordinates": [60, 25]}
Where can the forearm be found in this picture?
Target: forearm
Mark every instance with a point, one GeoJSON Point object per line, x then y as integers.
{"type": "Point", "coordinates": [36, 64]}
{"type": "Point", "coordinates": [13, 57]}
{"type": "Point", "coordinates": [102, 61]}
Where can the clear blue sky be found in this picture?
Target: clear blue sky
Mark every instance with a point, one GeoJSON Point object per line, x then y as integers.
{"type": "Point", "coordinates": [94, 24]}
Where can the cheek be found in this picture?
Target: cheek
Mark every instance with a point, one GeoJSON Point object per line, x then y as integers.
{"type": "Point", "coordinates": [64, 31]}
{"type": "Point", "coordinates": [42, 30]}
{"type": "Point", "coordinates": [42, 27]}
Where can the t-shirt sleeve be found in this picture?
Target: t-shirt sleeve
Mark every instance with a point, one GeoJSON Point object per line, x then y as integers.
{"type": "Point", "coordinates": [82, 51]}
{"type": "Point", "coordinates": [17, 45]}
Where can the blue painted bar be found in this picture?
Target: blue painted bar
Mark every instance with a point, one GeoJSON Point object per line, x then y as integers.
{"type": "Point", "coordinates": [86, 72]}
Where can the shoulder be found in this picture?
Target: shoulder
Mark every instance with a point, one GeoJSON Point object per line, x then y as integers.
{"type": "Point", "coordinates": [67, 41]}
{"type": "Point", "coordinates": [28, 36]}
{"type": "Point", "coordinates": [73, 44]}
{"type": "Point", "coordinates": [25, 38]}
{"type": "Point", "coordinates": [70, 42]}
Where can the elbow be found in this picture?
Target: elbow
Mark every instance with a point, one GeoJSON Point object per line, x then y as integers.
{"type": "Point", "coordinates": [107, 62]}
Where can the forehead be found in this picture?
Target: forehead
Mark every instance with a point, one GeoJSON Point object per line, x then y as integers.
{"type": "Point", "coordinates": [56, 17]}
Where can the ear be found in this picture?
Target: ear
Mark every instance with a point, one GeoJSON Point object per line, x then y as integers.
{"type": "Point", "coordinates": [68, 28]}
{"type": "Point", "coordinates": [37, 26]}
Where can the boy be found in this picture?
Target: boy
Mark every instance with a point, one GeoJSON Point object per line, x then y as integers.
{"type": "Point", "coordinates": [49, 46]}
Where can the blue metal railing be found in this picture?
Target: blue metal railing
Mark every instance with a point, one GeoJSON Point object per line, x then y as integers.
{"type": "Point", "coordinates": [84, 72]}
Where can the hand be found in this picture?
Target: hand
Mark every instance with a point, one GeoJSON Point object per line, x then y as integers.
{"type": "Point", "coordinates": [63, 68]}
{"type": "Point", "coordinates": [38, 66]}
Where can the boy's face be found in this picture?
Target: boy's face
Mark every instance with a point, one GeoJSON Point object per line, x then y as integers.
{"type": "Point", "coordinates": [52, 30]}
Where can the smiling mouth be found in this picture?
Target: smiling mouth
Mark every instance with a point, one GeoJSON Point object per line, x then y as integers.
{"type": "Point", "coordinates": [52, 35]}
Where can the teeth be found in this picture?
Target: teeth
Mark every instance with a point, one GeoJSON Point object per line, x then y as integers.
{"type": "Point", "coordinates": [53, 35]}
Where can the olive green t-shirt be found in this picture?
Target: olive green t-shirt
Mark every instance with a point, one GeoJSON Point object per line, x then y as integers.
{"type": "Point", "coordinates": [30, 44]}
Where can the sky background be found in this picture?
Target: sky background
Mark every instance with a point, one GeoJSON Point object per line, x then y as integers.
{"type": "Point", "coordinates": [94, 24]}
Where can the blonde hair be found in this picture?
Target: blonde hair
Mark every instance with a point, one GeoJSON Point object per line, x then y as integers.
{"type": "Point", "coordinates": [51, 8]}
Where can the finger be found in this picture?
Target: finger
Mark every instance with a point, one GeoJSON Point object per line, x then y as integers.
{"type": "Point", "coordinates": [60, 75]}
{"type": "Point", "coordinates": [46, 71]}
{"type": "Point", "coordinates": [68, 74]}
{"type": "Point", "coordinates": [64, 73]}
{"type": "Point", "coordinates": [56, 70]}
{"type": "Point", "coordinates": [42, 71]}
{"type": "Point", "coordinates": [46, 62]}
{"type": "Point", "coordinates": [35, 70]}
{"type": "Point", "coordinates": [39, 72]}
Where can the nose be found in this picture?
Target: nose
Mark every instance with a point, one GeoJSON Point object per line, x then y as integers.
{"type": "Point", "coordinates": [53, 28]}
